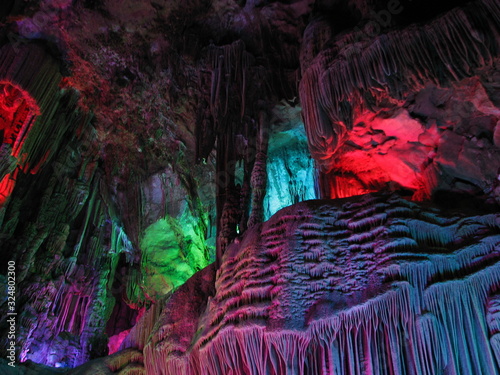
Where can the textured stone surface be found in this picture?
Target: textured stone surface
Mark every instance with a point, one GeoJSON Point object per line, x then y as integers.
{"type": "Point", "coordinates": [380, 116]}
{"type": "Point", "coordinates": [325, 283]}
{"type": "Point", "coordinates": [290, 169]}
{"type": "Point", "coordinates": [439, 140]}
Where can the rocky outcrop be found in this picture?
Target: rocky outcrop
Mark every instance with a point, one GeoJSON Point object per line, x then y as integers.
{"type": "Point", "coordinates": [372, 284]}
{"type": "Point", "coordinates": [387, 109]}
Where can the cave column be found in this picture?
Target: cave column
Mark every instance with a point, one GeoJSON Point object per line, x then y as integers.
{"type": "Point", "coordinates": [259, 172]}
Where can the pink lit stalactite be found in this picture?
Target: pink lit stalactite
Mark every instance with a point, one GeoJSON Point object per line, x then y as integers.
{"type": "Point", "coordinates": [342, 82]}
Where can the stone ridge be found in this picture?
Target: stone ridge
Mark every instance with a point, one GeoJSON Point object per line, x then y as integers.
{"type": "Point", "coordinates": [369, 285]}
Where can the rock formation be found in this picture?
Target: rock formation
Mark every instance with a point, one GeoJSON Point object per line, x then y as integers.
{"type": "Point", "coordinates": [250, 187]}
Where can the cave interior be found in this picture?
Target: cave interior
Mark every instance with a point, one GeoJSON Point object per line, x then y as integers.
{"type": "Point", "coordinates": [250, 187]}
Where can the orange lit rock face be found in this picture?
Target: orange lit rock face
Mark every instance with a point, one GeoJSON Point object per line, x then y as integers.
{"type": "Point", "coordinates": [18, 112]}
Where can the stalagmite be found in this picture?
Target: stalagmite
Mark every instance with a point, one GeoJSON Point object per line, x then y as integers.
{"type": "Point", "coordinates": [258, 180]}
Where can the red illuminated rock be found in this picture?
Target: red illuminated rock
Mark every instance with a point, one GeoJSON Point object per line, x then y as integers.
{"type": "Point", "coordinates": [380, 115]}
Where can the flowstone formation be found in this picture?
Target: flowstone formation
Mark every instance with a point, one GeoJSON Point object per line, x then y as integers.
{"type": "Point", "coordinates": [367, 285]}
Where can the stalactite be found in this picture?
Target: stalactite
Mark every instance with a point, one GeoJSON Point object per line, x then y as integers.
{"type": "Point", "coordinates": [69, 200]}
{"type": "Point", "coordinates": [229, 66]}
{"type": "Point", "coordinates": [18, 111]}
{"type": "Point", "coordinates": [44, 140]}
{"type": "Point", "coordinates": [493, 315]}
{"type": "Point", "coordinates": [448, 49]}
{"type": "Point", "coordinates": [245, 198]}
{"type": "Point", "coordinates": [228, 102]}
{"type": "Point", "coordinates": [316, 35]}
{"type": "Point", "coordinates": [30, 70]}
